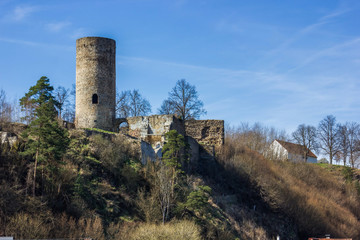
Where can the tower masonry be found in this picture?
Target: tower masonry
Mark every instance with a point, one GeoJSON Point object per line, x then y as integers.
{"type": "Point", "coordinates": [95, 83]}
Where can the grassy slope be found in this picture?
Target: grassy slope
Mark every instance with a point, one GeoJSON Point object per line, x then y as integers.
{"type": "Point", "coordinates": [318, 199]}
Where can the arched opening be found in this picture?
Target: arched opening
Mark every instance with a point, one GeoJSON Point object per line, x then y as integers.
{"type": "Point", "coordinates": [95, 98]}
{"type": "Point", "coordinates": [124, 128]}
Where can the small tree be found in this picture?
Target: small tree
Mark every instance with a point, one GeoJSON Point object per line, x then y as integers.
{"type": "Point", "coordinates": [122, 105]}
{"type": "Point", "coordinates": [61, 95]}
{"type": "Point", "coordinates": [197, 201]}
{"type": "Point", "coordinates": [327, 134]}
{"type": "Point", "coordinates": [184, 101]}
{"type": "Point", "coordinates": [46, 140]}
{"type": "Point", "coordinates": [343, 140]}
{"type": "Point", "coordinates": [69, 105]}
{"type": "Point", "coordinates": [5, 108]}
{"type": "Point", "coordinates": [169, 170]}
{"type": "Point", "coordinates": [131, 104]}
{"type": "Point", "coordinates": [305, 135]}
{"type": "Point", "coordinates": [354, 138]}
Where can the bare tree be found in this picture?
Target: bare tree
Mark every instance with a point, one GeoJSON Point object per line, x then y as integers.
{"type": "Point", "coordinates": [327, 135]}
{"type": "Point", "coordinates": [343, 140]}
{"type": "Point", "coordinates": [354, 138]}
{"type": "Point", "coordinates": [15, 111]}
{"type": "Point", "coordinates": [5, 108]}
{"type": "Point", "coordinates": [256, 137]}
{"type": "Point", "coordinates": [69, 107]}
{"type": "Point", "coordinates": [167, 107]}
{"type": "Point", "coordinates": [131, 104]}
{"type": "Point", "coordinates": [305, 135]}
{"type": "Point", "coordinates": [138, 106]}
{"type": "Point", "coordinates": [184, 101]}
{"type": "Point", "coordinates": [166, 195]}
{"type": "Point", "coordinates": [122, 106]}
{"type": "Point", "coordinates": [62, 96]}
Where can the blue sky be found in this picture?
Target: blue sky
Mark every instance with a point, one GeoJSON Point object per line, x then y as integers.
{"type": "Point", "coordinates": [281, 63]}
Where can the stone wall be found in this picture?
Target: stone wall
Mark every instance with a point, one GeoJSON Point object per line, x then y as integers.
{"type": "Point", "coordinates": [203, 136]}
{"type": "Point", "coordinates": [153, 128]}
{"type": "Point", "coordinates": [206, 132]}
{"type": "Point", "coordinates": [95, 83]}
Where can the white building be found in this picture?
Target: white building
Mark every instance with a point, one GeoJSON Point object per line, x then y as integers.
{"type": "Point", "coordinates": [290, 151]}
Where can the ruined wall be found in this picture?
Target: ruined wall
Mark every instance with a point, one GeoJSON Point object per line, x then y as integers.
{"type": "Point", "coordinates": [206, 132]}
{"type": "Point", "coordinates": [150, 130]}
{"type": "Point", "coordinates": [153, 128]}
{"type": "Point", "coordinates": [203, 136]}
{"type": "Point", "coordinates": [95, 83]}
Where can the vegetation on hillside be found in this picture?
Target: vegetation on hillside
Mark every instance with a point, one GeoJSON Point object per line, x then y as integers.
{"type": "Point", "coordinates": [317, 199]}
{"type": "Point", "coordinates": [57, 183]}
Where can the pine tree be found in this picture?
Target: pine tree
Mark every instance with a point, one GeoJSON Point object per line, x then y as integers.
{"type": "Point", "coordinates": [46, 141]}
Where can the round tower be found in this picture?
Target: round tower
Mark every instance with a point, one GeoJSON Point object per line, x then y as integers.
{"type": "Point", "coordinates": [95, 83]}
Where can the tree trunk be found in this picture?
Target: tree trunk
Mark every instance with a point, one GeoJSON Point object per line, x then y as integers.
{"type": "Point", "coordinates": [35, 167]}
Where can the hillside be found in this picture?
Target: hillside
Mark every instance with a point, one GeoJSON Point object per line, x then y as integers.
{"type": "Point", "coordinates": [100, 189]}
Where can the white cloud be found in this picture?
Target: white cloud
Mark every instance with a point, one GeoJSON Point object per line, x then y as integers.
{"type": "Point", "coordinates": [307, 30]}
{"type": "Point", "coordinates": [35, 44]}
{"type": "Point", "coordinates": [58, 26]}
{"type": "Point", "coordinates": [17, 41]}
{"type": "Point", "coordinates": [334, 50]}
{"type": "Point", "coordinates": [21, 12]}
{"type": "Point", "coordinates": [226, 26]}
{"type": "Point", "coordinates": [78, 33]}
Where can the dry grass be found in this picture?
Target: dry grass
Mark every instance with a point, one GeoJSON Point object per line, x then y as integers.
{"type": "Point", "coordinates": [179, 230]}
{"type": "Point", "coordinates": [26, 226]}
{"type": "Point", "coordinates": [318, 200]}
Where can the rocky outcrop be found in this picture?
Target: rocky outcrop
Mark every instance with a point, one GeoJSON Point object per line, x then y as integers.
{"type": "Point", "coordinates": [8, 138]}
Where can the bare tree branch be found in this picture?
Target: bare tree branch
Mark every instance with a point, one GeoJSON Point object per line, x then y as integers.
{"type": "Point", "coordinates": [184, 101]}
{"type": "Point", "coordinates": [62, 96]}
{"type": "Point", "coordinates": [327, 134]}
{"type": "Point", "coordinates": [343, 140]}
{"type": "Point", "coordinates": [5, 108]}
{"type": "Point", "coordinates": [354, 139]}
{"type": "Point", "coordinates": [131, 103]}
{"type": "Point", "coordinates": [305, 135]}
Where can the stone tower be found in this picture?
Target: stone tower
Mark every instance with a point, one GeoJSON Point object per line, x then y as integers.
{"type": "Point", "coordinates": [95, 83]}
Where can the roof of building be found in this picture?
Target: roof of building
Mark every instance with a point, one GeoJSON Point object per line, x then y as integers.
{"type": "Point", "coordinates": [295, 148]}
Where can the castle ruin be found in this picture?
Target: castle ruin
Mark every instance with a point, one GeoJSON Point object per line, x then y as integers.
{"type": "Point", "coordinates": [95, 83]}
{"type": "Point", "coordinates": [96, 99]}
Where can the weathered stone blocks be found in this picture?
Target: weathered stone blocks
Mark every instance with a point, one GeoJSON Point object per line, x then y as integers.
{"type": "Point", "coordinates": [206, 132]}
{"type": "Point", "coordinates": [95, 83]}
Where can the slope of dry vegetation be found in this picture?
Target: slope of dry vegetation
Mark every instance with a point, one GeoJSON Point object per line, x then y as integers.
{"type": "Point", "coordinates": [102, 191]}
{"type": "Point", "coordinates": [319, 200]}
{"type": "Point", "coordinates": [98, 190]}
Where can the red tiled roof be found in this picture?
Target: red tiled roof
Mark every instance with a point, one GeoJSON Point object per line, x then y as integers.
{"type": "Point", "coordinates": [295, 148]}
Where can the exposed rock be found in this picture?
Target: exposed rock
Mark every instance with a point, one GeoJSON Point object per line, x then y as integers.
{"type": "Point", "coordinates": [8, 138]}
